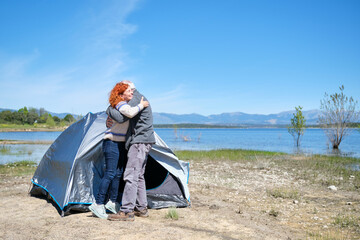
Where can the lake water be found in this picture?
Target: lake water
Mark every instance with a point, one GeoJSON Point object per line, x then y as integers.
{"type": "Point", "coordinates": [314, 141]}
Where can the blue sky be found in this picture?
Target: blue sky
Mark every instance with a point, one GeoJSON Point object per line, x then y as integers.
{"type": "Point", "coordinates": [205, 57]}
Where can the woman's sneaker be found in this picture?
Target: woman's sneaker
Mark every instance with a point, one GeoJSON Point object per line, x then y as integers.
{"type": "Point", "coordinates": [113, 207]}
{"type": "Point", "coordinates": [98, 210]}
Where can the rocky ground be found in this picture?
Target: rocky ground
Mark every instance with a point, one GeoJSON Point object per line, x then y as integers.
{"type": "Point", "coordinates": [230, 200]}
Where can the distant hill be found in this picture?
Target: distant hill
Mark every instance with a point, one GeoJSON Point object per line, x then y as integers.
{"type": "Point", "coordinates": [229, 119]}
{"type": "Point", "coordinates": [235, 118]}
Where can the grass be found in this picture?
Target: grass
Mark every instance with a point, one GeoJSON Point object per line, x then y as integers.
{"type": "Point", "coordinates": [284, 193]}
{"type": "Point", "coordinates": [6, 150]}
{"type": "Point", "coordinates": [327, 170]}
{"type": "Point", "coordinates": [347, 221]}
{"type": "Point", "coordinates": [274, 213]}
{"type": "Point", "coordinates": [225, 154]}
{"type": "Point", "coordinates": [18, 168]}
{"type": "Point", "coordinates": [172, 214]}
{"type": "Point", "coordinates": [330, 235]}
{"type": "Point", "coordinates": [317, 169]}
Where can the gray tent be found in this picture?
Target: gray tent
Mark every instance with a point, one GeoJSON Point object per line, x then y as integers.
{"type": "Point", "coordinates": [71, 169]}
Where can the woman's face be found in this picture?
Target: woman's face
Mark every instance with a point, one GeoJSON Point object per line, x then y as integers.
{"type": "Point", "coordinates": [127, 95]}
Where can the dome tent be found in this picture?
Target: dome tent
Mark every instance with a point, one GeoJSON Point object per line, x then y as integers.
{"type": "Point", "coordinates": [71, 170]}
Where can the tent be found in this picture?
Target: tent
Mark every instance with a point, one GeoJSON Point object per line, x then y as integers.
{"type": "Point", "coordinates": [70, 172]}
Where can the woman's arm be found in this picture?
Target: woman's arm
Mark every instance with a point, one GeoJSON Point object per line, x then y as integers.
{"type": "Point", "coordinates": [116, 115]}
{"type": "Point", "coordinates": [128, 111]}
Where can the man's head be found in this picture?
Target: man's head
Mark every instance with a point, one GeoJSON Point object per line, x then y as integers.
{"type": "Point", "coordinates": [131, 84]}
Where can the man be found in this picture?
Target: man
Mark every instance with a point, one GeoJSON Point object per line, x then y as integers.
{"type": "Point", "coordinates": [139, 140]}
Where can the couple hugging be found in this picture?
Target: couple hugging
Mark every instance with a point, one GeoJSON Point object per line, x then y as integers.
{"type": "Point", "coordinates": [127, 143]}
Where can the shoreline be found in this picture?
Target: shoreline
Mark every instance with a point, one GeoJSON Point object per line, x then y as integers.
{"type": "Point", "coordinates": [49, 142]}
{"type": "Point", "coordinates": [32, 129]}
{"type": "Point", "coordinates": [14, 142]}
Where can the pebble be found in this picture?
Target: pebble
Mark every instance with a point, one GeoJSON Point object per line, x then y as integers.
{"type": "Point", "coordinates": [295, 201]}
{"type": "Point", "coordinates": [332, 188]}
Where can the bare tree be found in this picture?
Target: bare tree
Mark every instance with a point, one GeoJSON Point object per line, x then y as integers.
{"type": "Point", "coordinates": [338, 111]}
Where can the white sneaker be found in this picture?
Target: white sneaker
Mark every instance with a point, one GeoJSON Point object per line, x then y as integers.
{"type": "Point", "coordinates": [98, 210]}
{"type": "Point", "coordinates": [113, 207]}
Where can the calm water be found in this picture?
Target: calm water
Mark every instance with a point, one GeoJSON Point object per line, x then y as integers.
{"type": "Point", "coordinates": [314, 141]}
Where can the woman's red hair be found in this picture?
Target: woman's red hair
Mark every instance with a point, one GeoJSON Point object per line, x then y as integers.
{"type": "Point", "coordinates": [115, 93]}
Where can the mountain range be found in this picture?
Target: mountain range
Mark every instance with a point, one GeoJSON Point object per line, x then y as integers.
{"type": "Point", "coordinates": [233, 119]}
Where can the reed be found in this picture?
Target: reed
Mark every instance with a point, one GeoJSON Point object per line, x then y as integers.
{"type": "Point", "coordinates": [172, 214]}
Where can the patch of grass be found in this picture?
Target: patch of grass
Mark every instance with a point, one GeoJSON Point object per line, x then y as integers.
{"type": "Point", "coordinates": [316, 169]}
{"type": "Point", "coordinates": [347, 221]}
{"type": "Point", "coordinates": [172, 214]}
{"type": "Point", "coordinates": [225, 154]}
{"type": "Point", "coordinates": [283, 193]}
{"type": "Point", "coordinates": [274, 213]}
{"type": "Point", "coordinates": [330, 235]}
{"type": "Point", "coordinates": [321, 169]}
{"type": "Point", "coordinates": [22, 168]}
{"type": "Point", "coordinates": [4, 149]}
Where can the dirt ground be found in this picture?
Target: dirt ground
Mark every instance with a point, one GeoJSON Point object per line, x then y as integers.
{"type": "Point", "coordinates": [229, 200]}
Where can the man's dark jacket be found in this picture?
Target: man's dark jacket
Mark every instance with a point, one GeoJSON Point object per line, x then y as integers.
{"type": "Point", "coordinates": [141, 128]}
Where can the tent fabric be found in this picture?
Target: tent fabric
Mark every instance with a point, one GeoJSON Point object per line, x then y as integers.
{"type": "Point", "coordinates": [71, 170]}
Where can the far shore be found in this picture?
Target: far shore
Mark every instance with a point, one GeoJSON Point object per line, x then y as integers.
{"type": "Point", "coordinates": [24, 142]}
{"type": "Point", "coordinates": [59, 129]}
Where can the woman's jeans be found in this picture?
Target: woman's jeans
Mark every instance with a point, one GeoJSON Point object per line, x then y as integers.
{"type": "Point", "coordinates": [115, 159]}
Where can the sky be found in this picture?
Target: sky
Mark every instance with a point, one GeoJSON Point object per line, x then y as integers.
{"type": "Point", "coordinates": [204, 56]}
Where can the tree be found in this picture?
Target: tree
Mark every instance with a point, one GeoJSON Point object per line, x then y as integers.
{"type": "Point", "coordinates": [7, 117]}
{"type": "Point", "coordinates": [50, 121]}
{"type": "Point", "coordinates": [69, 118]}
{"type": "Point", "coordinates": [32, 116]}
{"type": "Point", "coordinates": [23, 115]}
{"type": "Point", "coordinates": [297, 127]}
{"type": "Point", "coordinates": [338, 111]}
{"type": "Point", "coordinates": [56, 119]}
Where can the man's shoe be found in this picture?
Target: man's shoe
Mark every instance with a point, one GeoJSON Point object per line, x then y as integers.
{"type": "Point", "coordinates": [122, 216]}
{"type": "Point", "coordinates": [98, 210]}
{"type": "Point", "coordinates": [113, 207]}
{"type": "Point", "coordinates": [143, 213]}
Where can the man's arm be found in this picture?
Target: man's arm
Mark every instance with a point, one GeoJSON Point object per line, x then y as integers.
{"type": "Point", "coordinates": [116, 115]}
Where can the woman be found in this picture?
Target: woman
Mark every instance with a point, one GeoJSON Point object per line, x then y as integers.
{"type": "Point", "coordinates": [114, 150]}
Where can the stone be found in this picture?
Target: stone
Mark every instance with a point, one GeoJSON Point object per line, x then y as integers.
{"type": "Point", "coordinates": [332, 188]}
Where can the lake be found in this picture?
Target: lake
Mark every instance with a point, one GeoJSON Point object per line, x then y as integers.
{"type": "Point", "coordinates": [314, 141]}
